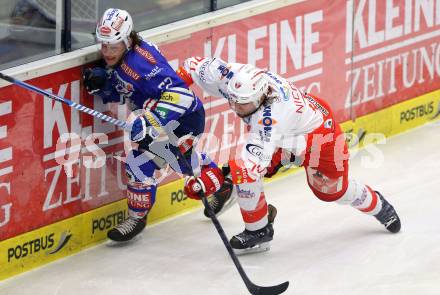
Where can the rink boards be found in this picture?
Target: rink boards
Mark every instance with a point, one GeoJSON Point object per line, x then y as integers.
{"type": "Point", "coordinates": [74, 234]}
{"type": "Point", "coordinates": [67, 237]}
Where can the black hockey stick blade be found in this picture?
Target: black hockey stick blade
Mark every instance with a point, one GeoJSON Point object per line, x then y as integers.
{"type": "Point", "coordinates": [271, 290]}
{"type": "Point", "coordinates": [252, 288]}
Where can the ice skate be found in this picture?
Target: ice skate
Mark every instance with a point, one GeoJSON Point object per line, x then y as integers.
{"type": "Point", "coordinates": [223, 199]}
{"type": "Point", "coordinates": [248, 242]}
{"type": "Point", "coordinates": [388, 216]}
{"type": "Point", "coordinates": [127, 230]}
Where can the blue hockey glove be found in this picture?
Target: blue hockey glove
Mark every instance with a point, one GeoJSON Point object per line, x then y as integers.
{"type": "Point", "coordinates": [142, 132]}
{"type": "Point", "coordinates": [95, 79]}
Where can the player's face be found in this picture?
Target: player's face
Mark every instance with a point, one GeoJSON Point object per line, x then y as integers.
{"type": "Point", "coordinates": [112, 53]}
{"type": "Point", "coordinates": [243, 109]}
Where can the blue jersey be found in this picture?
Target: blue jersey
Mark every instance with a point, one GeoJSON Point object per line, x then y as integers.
{"type": "Point", "coordinates": [145, 80]}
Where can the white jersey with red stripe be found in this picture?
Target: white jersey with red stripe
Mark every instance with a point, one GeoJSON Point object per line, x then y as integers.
{"type": "Point", "coordinates": [283, 123]}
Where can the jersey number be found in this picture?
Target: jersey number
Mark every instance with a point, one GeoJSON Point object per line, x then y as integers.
{"type": "Point", "coordinates": [166, 83]}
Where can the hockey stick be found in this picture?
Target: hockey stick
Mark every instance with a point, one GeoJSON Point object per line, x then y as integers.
{"type": "Point", "coordinates": [70, 103]}
{"type": "Point", "coordinates": [253, 289]}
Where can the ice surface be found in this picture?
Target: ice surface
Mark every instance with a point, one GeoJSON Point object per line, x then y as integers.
{"type": "Point", "coordinates": [321, 248]}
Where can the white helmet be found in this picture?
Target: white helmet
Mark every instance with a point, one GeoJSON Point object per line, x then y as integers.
{"type": "Point", "coordinates": [115, 26]}
{"type": "Point", "coordinates": [249, 84]}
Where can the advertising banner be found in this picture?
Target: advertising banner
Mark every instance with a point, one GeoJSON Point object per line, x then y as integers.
{"type": "Point", "coordinates": [392, 53]}
{"type": "Point", "coordinates": [55, 161]}
{"type": "Point", "coordinates": [361, 56]}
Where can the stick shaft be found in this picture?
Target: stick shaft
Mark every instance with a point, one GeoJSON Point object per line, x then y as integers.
{"type": "Point", "coordinates": [70, 103]}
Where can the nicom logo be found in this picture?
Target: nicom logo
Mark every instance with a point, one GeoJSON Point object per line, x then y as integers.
{"type": "Point", "coordinates": [267, 123]}
{"type": "Point", "coordinates": [178, 196]}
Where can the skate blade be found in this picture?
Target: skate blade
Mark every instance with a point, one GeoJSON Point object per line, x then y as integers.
{"type": "Point", "coordinates": [229, 203]}
{"type": "Point", "coordinates": [263, 247]}
{"type": "Point", "coordinates": [115, 244]}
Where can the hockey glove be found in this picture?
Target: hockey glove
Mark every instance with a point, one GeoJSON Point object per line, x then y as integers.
{"type": "Point", "coordinates": [277, 163]}
{"type": "Point", "coordinates": [210, 181]}
{"type": "Point", "coordinates": [95, 79]}
{"type": "Point", "coordinates": [142, 132]}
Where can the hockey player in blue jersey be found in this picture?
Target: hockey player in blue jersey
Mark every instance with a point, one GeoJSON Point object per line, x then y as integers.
{"type": "Point", "coordinates": [137, 74]}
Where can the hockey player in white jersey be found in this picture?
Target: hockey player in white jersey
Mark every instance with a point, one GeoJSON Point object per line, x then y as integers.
{"type": "Point", "coordinates": [281, 119]}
